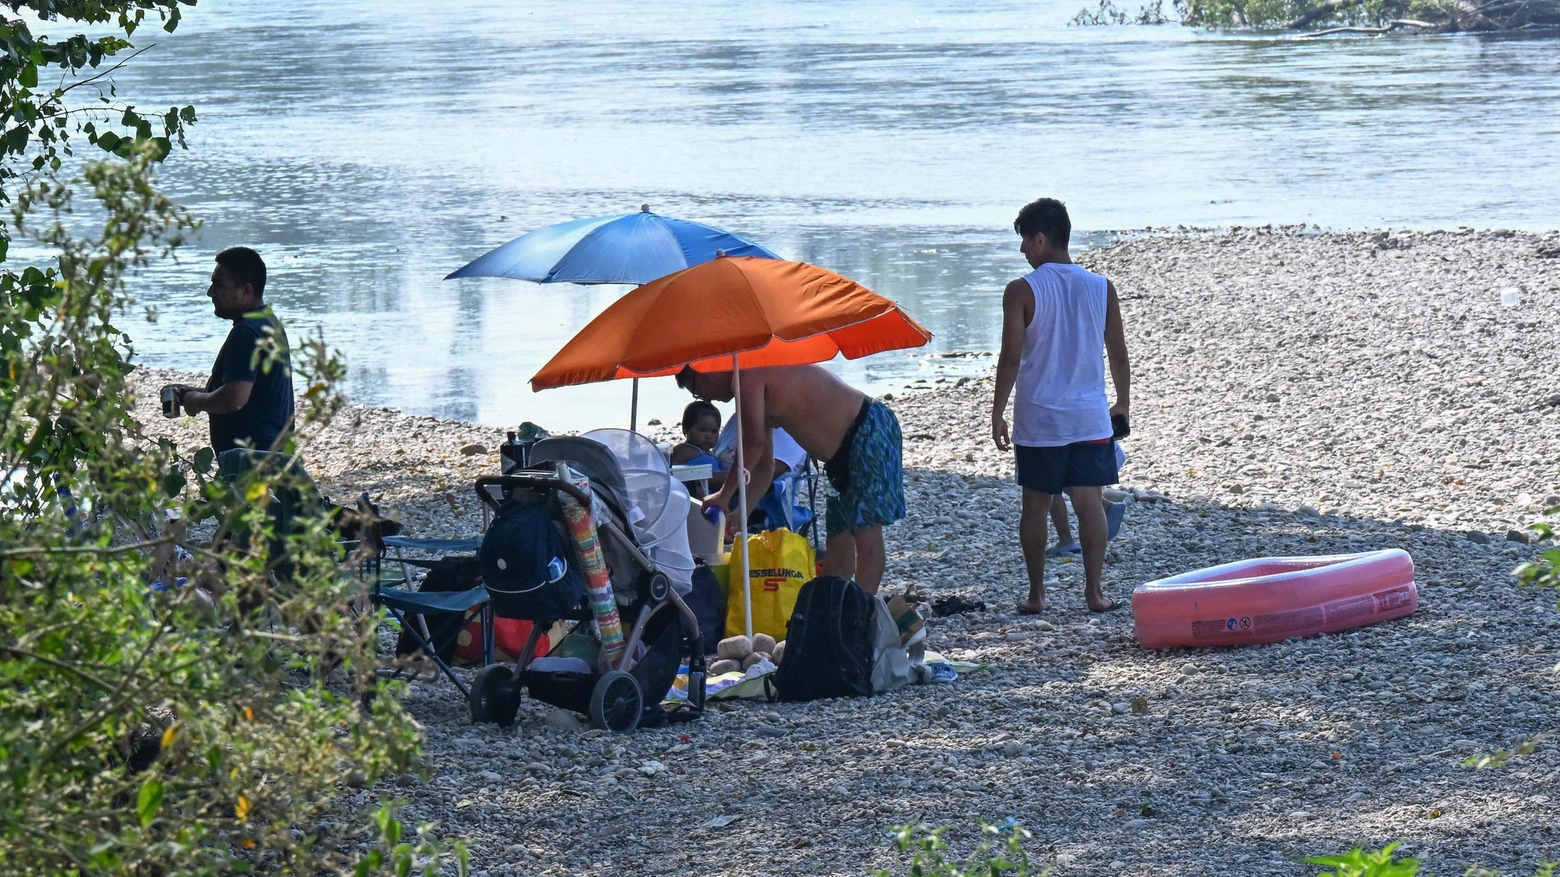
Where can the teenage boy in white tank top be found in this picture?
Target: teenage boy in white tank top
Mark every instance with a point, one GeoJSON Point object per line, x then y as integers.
{"type": "Point", "coordinates": [1059, 323]}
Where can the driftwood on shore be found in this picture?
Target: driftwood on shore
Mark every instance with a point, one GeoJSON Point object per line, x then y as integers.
{"type": "Point", "coordinates": [1388, 28]}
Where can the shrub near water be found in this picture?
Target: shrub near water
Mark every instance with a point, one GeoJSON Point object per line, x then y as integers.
{"type": "Point", "coordinates": [137, 734]}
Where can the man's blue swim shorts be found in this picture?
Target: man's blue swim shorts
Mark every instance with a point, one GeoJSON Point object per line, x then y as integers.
{"type": "Point", "coordinates": [867, 473]}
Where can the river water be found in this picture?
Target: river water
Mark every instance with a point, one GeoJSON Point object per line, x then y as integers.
{"type": "Point", "coordinates": [369, 148]}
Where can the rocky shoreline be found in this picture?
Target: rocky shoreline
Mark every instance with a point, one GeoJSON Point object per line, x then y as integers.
{"type": "Point", "coordinates": [1294, 393]}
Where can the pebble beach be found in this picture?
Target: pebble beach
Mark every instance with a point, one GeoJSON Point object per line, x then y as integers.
{"type": "Point", "coordinates": [1294, 393]}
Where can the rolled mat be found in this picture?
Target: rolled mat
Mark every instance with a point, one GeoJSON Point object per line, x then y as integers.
{"type": "Point", "coordinates": [603, 602]}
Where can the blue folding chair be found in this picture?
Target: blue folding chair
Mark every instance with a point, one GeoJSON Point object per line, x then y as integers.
{"type": "Point", "coordinates": [781, 508]}
{"type": "Point", "coordinates": [401, 603]}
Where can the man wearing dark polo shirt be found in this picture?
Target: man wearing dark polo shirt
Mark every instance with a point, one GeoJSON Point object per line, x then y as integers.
{"type": "Point", "coordinates": [250, 394]}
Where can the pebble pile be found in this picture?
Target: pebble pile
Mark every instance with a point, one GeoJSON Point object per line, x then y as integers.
{"type": "Point", "coordinates": [1294, 393]}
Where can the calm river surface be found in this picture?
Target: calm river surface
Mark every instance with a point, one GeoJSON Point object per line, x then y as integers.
{"type": "Point", "coordinates": [369, 148]}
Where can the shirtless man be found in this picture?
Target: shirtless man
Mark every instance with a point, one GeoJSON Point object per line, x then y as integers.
{"type": "Point", "coordinates": [857, 435]}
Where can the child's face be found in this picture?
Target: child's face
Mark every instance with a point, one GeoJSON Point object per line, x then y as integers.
{"type": "Point", "coordinates": [705, 432]}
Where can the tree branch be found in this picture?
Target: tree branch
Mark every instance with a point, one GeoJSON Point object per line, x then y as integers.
{"type": "Point", "coordinates": [59, 665]}
{"type": "Point", "coordinates": [86, 549]}
{"type": "Point", "coordinates": [101, 74]}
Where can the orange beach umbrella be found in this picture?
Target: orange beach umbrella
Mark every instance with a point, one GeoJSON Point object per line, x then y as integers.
{"type": "Point", "coordinates": [762, 311]}
{"type": "Point", "coordinates": [731, 313]}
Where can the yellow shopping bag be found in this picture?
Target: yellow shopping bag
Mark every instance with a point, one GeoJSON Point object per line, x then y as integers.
{"type": "Point", "coordinates": [779, 563]}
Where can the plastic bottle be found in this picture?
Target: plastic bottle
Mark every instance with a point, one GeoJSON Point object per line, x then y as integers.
{"type": "Point", "coordinates": [706, 532]}
{"type": "Point", "coordinates": [529, 435]}
{"type": "Point", "coordinates": [511, 455]}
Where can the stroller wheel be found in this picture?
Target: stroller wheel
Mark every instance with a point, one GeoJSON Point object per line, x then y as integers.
{"type": "Point", "coordinates": [616, 702]}
{"type": "Point", "coordinates": [495, 695]}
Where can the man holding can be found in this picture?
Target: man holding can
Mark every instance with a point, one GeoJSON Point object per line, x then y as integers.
{"type": "Point", "coordinates": [249, 396]}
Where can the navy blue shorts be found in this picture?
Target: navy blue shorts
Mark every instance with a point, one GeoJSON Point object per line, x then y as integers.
{"type": "Point", "coordinates": [1080, 464]}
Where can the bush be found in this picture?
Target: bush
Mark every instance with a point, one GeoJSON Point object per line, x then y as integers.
{"type": "Point", "coordinates": [1000, 852]}
{"type": "Point", "coordinates": [143, 731]}
{"type": "Point", "coordinates": [1544, 570]}
{"type": "Point", "coordinates": [1359, 863]}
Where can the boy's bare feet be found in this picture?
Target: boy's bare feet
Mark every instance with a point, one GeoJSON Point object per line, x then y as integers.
{"type": "Point", "coordinates": [1031, 607]}
{"type": "Point", "coordinates": [1100, 602]}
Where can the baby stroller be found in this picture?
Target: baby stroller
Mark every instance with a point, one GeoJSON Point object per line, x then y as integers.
{"type": "Point", "coordinates": [533, 571]}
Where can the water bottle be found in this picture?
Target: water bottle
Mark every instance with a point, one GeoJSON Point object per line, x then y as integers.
{"type": "Point", "coordinates": [1510, 297]}
{"type": "Point", "coordinates": [530, 434]}
{"type": "Point", "coordinates": [511, 454]}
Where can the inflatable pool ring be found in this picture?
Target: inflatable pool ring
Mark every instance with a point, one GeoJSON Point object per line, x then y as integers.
{"type": "Point", "coordinates": [1270, 599]}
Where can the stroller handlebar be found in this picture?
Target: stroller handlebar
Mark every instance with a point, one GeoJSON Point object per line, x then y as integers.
{"type": "Point", "coordinates": [536, 479]}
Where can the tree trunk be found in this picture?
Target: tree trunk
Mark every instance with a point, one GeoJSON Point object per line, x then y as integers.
{"type": "Point", "coordinates": [1315, 12]}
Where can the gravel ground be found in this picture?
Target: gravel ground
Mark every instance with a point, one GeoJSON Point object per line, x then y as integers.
{"type": "Point", "coordinates": [1294, 394]}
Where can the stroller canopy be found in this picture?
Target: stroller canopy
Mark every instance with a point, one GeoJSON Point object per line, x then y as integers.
{"type": "Point", "coordinates": [658, 503]}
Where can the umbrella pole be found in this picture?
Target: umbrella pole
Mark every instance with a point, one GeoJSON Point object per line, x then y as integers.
{"type": "Point", "coordinates": [633, 408]}
{"type": "Point", "coordinates": [742, 474]}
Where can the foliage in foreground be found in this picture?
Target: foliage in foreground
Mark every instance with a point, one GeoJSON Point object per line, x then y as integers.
{"type": "Point", "coordinates": [144, 731]}
{"type": "Point", "coordinates": [1359, 862]}
{"type": "Point", "coordinates": [1000, 853]}
{"type": "Point", "coordinates": [1544, 570]}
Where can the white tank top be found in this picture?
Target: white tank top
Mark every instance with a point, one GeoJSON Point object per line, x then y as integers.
{"type": "Point", "coordinates": [1060, 393]}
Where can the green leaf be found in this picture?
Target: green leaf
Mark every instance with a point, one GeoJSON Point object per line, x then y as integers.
{"type": "Point", "coordinates": [29, 76]}
{"type": "Point", "coordinates": [173, 484]}
{"type": "Point", "coordinates": [203, 460]}
{"type": "Point", "coordinates": [149, 801]}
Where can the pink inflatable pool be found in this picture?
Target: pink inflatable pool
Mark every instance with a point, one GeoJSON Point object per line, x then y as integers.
{"type": "Point", "coordinates": [1270, 599]}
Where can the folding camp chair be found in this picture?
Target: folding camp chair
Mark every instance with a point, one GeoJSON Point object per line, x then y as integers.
{"type": "Point", "coordinates": [781, 507]}
{"type": "Point", "coordinates": [396, 548]}
{"type": "Point", "coordinates": [410, 608]}
{"type": "Point", "coordinates": [399, 603]}
{"type": "Point", "coordinates": [299, 496]}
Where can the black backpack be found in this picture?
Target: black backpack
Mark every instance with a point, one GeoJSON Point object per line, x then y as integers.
{"type": "Point", "coordinates": [828, 642]}
{"type": "Point", "coordinates": [528, 566]}
{"type": "Point", "coordinates": [707, 600]}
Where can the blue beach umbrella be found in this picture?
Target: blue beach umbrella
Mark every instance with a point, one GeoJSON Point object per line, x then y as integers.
{"type": "Point", "coordinates": [631, 248]}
